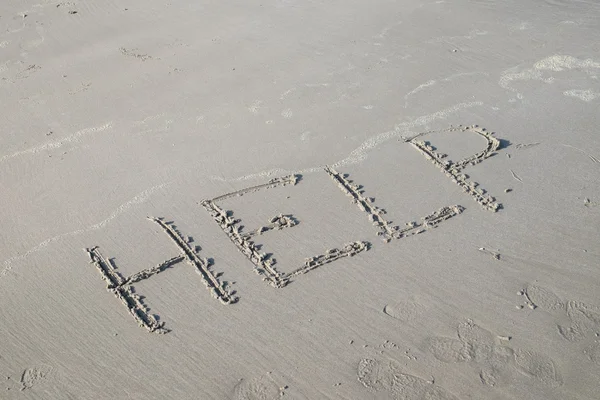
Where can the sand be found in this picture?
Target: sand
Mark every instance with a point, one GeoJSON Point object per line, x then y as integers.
{"type": "Point", "coordinates": [300, 200]}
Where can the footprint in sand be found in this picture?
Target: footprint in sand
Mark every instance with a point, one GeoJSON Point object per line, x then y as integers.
{"type": "Point", "coordinates": [575, 321]}
{"type": "Point", "coordinates": [497, 361]}
{"type": "Point", "coordinates": [593, 353]}
{"type": "Point", "coordinates": [35, 375]}
{"type": "Point", "coordinates": [260, 388]}
{"type": "Point", "coordinates": [387, 376]}
{"type": "Point", "coordinates": [405, 310]}
{"type": "Point", "coordinates": [537, 366]}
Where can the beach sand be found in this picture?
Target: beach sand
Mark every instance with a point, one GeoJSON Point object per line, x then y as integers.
{"type": "Point", "coordinates": [300, 200]}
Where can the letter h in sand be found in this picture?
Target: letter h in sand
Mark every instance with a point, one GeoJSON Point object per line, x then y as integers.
{"type": "Point", "coordinates": [122, 287]}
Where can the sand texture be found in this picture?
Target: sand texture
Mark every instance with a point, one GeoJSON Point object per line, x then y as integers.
{"type": "Point", "coordinates": [270, 200]}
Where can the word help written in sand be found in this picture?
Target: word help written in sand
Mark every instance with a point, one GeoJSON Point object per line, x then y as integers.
{"type": "Point", "coordinates": [263, 263]}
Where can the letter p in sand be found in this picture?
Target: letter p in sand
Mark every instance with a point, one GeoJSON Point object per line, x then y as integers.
{"type": "Point", "coordinates": [454, 170]}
